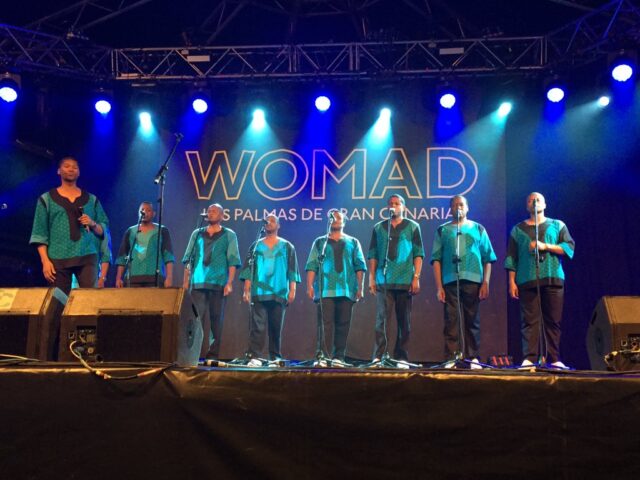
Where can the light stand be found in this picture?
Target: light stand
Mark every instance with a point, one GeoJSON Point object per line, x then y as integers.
{"type": "Point", "coordinates": [160, 180]}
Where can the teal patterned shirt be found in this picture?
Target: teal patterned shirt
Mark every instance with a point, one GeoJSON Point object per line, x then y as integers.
{"type": "Point", "coordinates": [273, 270]}
{"type": "Point", "coordinates": [475, 251]}
{"type": "Point", "coordinates": [142, 267]}
{"type": "Point", "coordinates": [405, 245]}
{"type": "Point", "coordinates": [343, 258]}
{"type": "Point", "coordinates": [56, 225]}
{"type": "Point", "coordinates": [212, 257]}
{"type": "Point", "coordinates": [520, 260]}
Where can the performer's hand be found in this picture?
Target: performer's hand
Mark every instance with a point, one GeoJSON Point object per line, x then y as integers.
{"type": "Point", "coordinates": [101, 281]}
{"type": "Point", "coordinates": [86, 220]}
{"type": "Point", "coordinates": [291, 297]}
{"type": "Point", "coordinates": [48, 270]}
{"type": "Point", "coordinates": [513, 291]}
{"type": "Point", "coordinates": [484, 291]}
{"type": "Point", "coordinates": [228, 288]}
{"type": "Point", "coordinates": [541, 246]}
{"type": "Point", "coordinates": [440, 295]}
{"type": "Point", "coordinates": [119, 283]}
{"type": "Point", "coordinates": [246, 296]}
{"type": "Point", "coordinates": [311, 292]}
{"type": "Point", "coordinates": [372, 287]}
{"type": "Point", "coordinates": [414, 289]}
{"type": "Point", "coordinates": [359, 294]}
{"type": "Point", "coordinates": [168, 282]}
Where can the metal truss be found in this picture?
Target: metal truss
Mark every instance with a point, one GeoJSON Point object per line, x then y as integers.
{"type": "Point", "coordinates": [583, 41]}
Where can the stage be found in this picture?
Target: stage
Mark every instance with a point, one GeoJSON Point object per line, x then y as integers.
{"type": "Point", "coordinates": [62, 421]}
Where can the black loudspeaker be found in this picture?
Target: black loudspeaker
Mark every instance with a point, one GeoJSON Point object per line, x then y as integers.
{"type": "Point", "coordinates": [615, 327]}
{"type": "Point", "coordinates": [131, 325]}
{"type": "Point", "coordinates": [29, 321]}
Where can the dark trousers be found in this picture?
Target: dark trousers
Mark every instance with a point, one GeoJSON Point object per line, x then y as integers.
{"type": "Point", "coordinates": [552, 299]}
{"type": "Point", "coordinates": [213, 302]}
{"type": "Point", "coordinates": [266, 316]}
{"type": "Point", "coordinates": [388, 302]}
{"type": "Point", "coordinates": [335, 318]}
{"type": "Point", "coordinates": [86, 275]}
{"type": "Point", "coordinates": [469, 303]}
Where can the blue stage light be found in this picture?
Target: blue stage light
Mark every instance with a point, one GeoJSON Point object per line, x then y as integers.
{"type": "Point", "coordinates": [145, 121]}
{"type": "Point", "coordinates": [555, 94]}
{"type": "Point", "coordinates": [505, 109]}
{"type": "Point", "coordinates": [603, 101]}
{"type": "Point", "coordinates": [259, 119]}
{"type": "Point", "coordinates": [8, 94]}
{"type": "Point", "coordinates": [447, 100]}
{"type": "Point", "coordinates": [622, 72]}
{"type": "Point", "coordinates": [200, 105]}
{"type": "Point", "coordinates": [323, 103]}
{"type": "Point", "coordinates": [103, 106]}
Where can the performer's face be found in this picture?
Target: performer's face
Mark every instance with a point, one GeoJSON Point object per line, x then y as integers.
{"type": "Point", "coordinates": [272, 224]}
{"type": "Point", "coordinates": [541, 204]}
{"type": "Point", "coordinates": [69, 170]}
{"type": "Point", "coordinates": [147, 212]}
{"type": "Point", "coordinates": [214, 214]}
{"type": "Point", "coordinates": [397, 205]}
{"type": "Point", "coordinates": [459, 203]}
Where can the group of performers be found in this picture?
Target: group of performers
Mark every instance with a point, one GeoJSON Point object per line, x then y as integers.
{"type": "Point", "coordinates": [71, 233]}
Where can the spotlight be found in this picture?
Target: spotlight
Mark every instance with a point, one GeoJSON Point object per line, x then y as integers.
{"type": "Point", "coordinates": [200, 105]}
{"type": "Point", "coordinates": [259, 119]}
{"type": "Point", "coordinates": [622, 72]}
{"type": "Point", "coordinates": [385, 114]}
{"type": "Point", "coordinates": [145, 121]}
{"type": "Point", "coordinates": [9, 87]}
{"type": "Point", "coordinates": [505, 109]}
{"type": "Point", "coordinates": [322, 103]}
{"type": "Point", "coordinates": [447, 100]}
{"type": "Point", "coordinates": [103, 106]}
{"type": "Point", "coordinates": [555, 94]}
{"type": "Point", "coordinates": [603, 101]}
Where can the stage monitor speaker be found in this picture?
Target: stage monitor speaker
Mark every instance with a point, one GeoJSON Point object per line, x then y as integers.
{"type": "Point", "coordinates": [615, 327]}
{"type": "Point", "coordinates": [131, 325]}
{"type": "Point", "coordinates": [29, 321]}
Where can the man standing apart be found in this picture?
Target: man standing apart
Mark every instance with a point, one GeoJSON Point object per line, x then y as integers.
{"type": "Point", "coordinates": [553, 242]}
{"type": "Point", "coordinates": [211, 260]}
{"type": "Point", "coordinates": [462, 246]}
{"type": "Point", "coordinates": [270, 275]}
{"type": "Point", "coordinates": [68, 227]}
{"type": "Point", "coordinates": [138, 251]}
{"type": "Point", "coordinates": [336, 283]}
{"type": "Point", "coordinates": [399, 241]}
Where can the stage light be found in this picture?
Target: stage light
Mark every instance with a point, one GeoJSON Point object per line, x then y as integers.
{"type": "Point", "coordinates": [505, 109]}
{"type": "Point", "coordinates": [200, 105]}
{"type": "Point", "coordinates": [103, 106]}
{"type": "Point", "coordinates": [622, 72]}
{"type": "Point", "coordinates": [385, 114]}
{"type": "Point", "coordinates": [382, 127]}
{"type": "Point", "coordinates": [145, 121]}
{"type": "Point", "coordinates": [259, 119]}
{"type": "Point", "coordinates": [9, 87]}
{"type": "Point", "coordinates": [322, 103]}
{"type": "Point", "coordinates": [555, 94]}
{"type": "Point", "coordinates": [603, 101]}
{"type": "Point", "coordinates": [447, 100]}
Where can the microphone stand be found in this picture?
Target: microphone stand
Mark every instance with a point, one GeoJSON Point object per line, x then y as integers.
{"type": "Point", "coordinates": [386, 360]}
{"type": "Point", "coordinates": [192, 253]}
{"type": "Point", "coordinates": [129, 259]}
{"type": "Point", "coordinates": [160, 180]}
{"type": "Point", "coordinates": [542, 334]}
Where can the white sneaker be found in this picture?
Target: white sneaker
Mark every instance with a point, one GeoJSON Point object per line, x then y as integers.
{"type": "Point", "coordinates": [336, 362]}
{"type": "Point", "coordinates": [526, 363]}
{"type": "Point", "coordinates": [559, 365]}
{"type": "Point", "coordinates": [402, 364]}
{"type": "Point", "coordinates": [320, 363]}
{"type": "Point", "coordinates": [254, 363]}
{"type": "Point", "coordinates": [475, 364]}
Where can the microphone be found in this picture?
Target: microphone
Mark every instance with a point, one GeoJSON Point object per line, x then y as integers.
{"type": "Point", "coordinates": [4, 206]}
{"type": "Point", "coordinates": [178, 136]}
{"type": "Point", "coordinates": [86, 227]}
{"type": "Point", "coordinates": [331, 215]}
{"type": "Point", "coordinates": [535, 205]}
{"type": "Point", "coordinates": [141, 212]}
{"type": "Point", "coordinates": [203, 213]}
{"type": "Point", "coordinates": [392, 212]}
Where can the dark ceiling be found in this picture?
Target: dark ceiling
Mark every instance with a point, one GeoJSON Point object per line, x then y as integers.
{"type": "Point", "coordinates": [155, 23]}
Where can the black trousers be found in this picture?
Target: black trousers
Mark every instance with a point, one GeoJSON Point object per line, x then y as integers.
{"type": "Point", "coordinates": [469, 303]}
{"type": "Point", "coordinates": [266, 316]}
{"type": "Point", "coordinates": [213, 302]}
{"type": "Point", "coordinates": [335, 318]}
{"type": "Point", "coordinates": [388, 302]}
{"type": "Point", "coordinates": [86, 275]}
{"type": "Point", "coordinates": [552, 300]}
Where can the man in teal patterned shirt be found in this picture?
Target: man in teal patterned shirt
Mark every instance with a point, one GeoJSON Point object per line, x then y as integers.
{"type": "Point", "coordinates": [270, 275]}
{"type": "Point", "coordinates": [336, 283]}
{"type": "Point", "coordinates": [68, 227]}
{"type": "Point", "coordinates": [211, 260]}
{"type": "Point", "coordinates": [554, 242]}
{"type": "Point", "coordinates": [141, 264]}
{"type": "Point", "coordinates": [395, 284]}
{"type": "Point", "coordinates": [474, 259]}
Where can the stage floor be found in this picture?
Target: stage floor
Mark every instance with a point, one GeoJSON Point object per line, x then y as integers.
{"type": "Point", "coordinates": [61, 421]}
